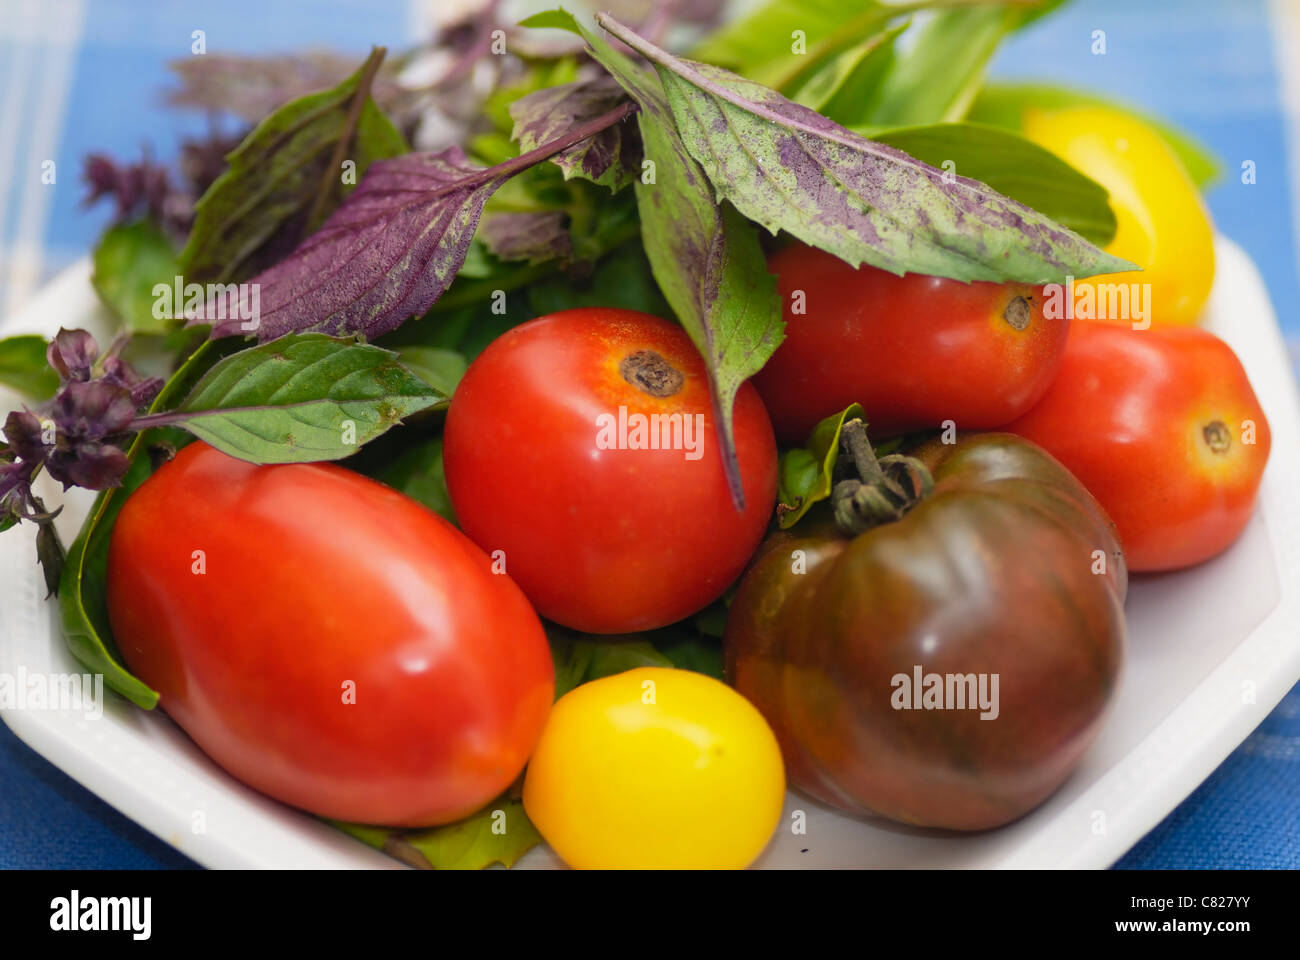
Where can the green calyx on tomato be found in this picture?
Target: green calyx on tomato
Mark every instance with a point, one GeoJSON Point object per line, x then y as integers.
{"type": "Point", "coordinates": [806, 472]}
{"type": "Point", "coordinates": [870, 486]}
{"type": "Point", "coordinates": [1007, 567]}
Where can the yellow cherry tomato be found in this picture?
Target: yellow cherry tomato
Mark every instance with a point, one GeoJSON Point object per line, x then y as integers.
{"type": "Point", "coordinates": [1163, 224]}
{"type": "Point", "coordinates": [655, 768]}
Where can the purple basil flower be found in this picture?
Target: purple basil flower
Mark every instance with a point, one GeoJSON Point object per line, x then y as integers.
{"type": "Point", "coordinates": [23, 430]}
{"type": "Point", "coordinates": [72, 353]}
{"type": "Point", "coordinates": [203, 159]}
{"type": "Point", "coordinates": [13, 492]}
{"type": "Point", "coordinates": [93, 410]}
{"type": "Point", "coordinates": [91, 414]}
{"type": "Point", "coordinates": [89, 464]}
{"type": "Point", "coordinates": [103, 177]}
{"type": "Point", "coordinates": [117, 371]}
{"type": "Point", "coordinates": [143, 188]}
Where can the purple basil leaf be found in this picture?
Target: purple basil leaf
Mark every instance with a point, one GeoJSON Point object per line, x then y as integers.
{"type": "Point", "coordinates": [532, 236]}
{"type": "Point", "coordinates": [391, 249]}
{"type": "Point", "coordinates": [386, 254]}
{"type": "Point", "coordinates": [789, 168]}
{"type": "Point", "coordinates": [612, 158]}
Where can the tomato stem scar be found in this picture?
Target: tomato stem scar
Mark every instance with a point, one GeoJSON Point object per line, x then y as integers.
{"type": "Point", "coordinates": [1017, 313]}
{"type": "Point", "coordinates": [1217, 436]}
{"type": "Point", "coordinates": [651, 373]}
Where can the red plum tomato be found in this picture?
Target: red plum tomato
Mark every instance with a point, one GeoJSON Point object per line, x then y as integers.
{"type": "Point", "coordinates": [327, 640]}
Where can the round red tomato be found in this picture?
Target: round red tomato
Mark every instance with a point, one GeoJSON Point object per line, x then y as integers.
{"type": "Point", "coordinates": [1163, 428]}
{"type": "Point", "coordinates": [326, 639]}
{"type": "Point", "coordinates": [582, 446]}
{"type": "Point", "coordinates": [915, 350]}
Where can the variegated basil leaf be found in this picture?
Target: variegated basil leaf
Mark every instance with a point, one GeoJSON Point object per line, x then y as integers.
{"type": "Point", "coordinates": [789, 168]}
{"type": "Point", "coordinates": [612, 158]}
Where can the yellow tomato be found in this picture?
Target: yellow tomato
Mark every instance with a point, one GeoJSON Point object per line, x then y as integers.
{"type": "Point", "coordinates": [1163, 224]}
{"type": "Point", "coordinates": [656, 768]}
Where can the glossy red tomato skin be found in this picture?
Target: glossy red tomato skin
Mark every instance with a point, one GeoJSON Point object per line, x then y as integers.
{"type": "Point", "coordinates": [915, 350]}
{"type": "Point", "coordinates": [602, 540]}
{"type": "Point", "coordinates": [1128, 413]}
{"type": "Point", "coordinates": [317, 580]}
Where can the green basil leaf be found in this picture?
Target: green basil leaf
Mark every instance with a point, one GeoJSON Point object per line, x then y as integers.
{"type": "Point", "coordinates": [129, 260]}
{"type": "Point", "coordinates": [789, 168]}
{"type": "Point", "coordinates": [848, 88]}
{"type": "Point", "coordinates": [477, 320]}
{"type": "Point", "coordinates": [159, 354]}
{"type": "Point", "coordinates": [416, 470]}
{"type": "Point", "coordinates": [438, 367]}
{"type": "Point", "coordinates": [1015, 167]}
{"type": "Point", "coordinates": [83, 602]}
{"type": "Point", "coordinates": [83, 607]}
{"type": "Point", "coordinates": [276, 176]}
{"type": "Point", "coordinates": [302, 398]}
{"type": "Point", "coordinates": [24, 368]}
{"type": "Point", "coordinates": [580, 658]}
{"type": "Point", "coordinates": [940, 74]}
{"type": "Point", "coordinates": [1004, 105]}
{"type": "Point", "coordinates": [690, 651]}
{"type": "Point", "coordinates": [499, 833]}
{"type": "Point", "coordinates": [712, 620]}
{"type": "Point", "coordinates": [783, 43]}
{"type": "Point", "coordinates": [807, 474]}
{"type": "Point", "coordinates": [621, 279]}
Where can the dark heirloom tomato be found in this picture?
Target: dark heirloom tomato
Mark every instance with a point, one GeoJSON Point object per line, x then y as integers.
{"type": "Point", "coordinates": [326, 639]}
{"type": "Point", "coordinates": [582, 445]}
{"type": "Point", "coordinates": [913, 350]}
{"type": "Point", "coordinates": [995, 573]}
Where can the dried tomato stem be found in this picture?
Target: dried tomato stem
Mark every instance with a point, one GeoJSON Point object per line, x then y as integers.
{"type": "Point", "coordinates": [883, 490]}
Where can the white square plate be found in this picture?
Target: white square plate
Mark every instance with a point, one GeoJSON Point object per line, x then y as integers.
{"type": "Point", "coordinates": [1211, 652]}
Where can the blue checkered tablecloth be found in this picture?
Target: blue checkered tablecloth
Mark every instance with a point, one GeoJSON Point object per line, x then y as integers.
{"type": "Point", "coordinates": [86, 75]}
